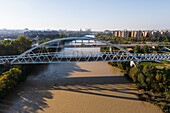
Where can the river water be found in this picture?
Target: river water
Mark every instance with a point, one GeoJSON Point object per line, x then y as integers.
{"type": "Point", "coordinates": [76, 88]}
{"type": "Point", "coordinates": [77, 51]}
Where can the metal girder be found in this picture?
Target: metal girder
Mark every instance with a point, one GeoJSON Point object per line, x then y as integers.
{"type": "Point", "coordinates": [72, 57]}
{"type": "Point", "coordinates": [41, 54]}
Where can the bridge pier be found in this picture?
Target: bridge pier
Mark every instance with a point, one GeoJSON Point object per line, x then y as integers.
{"type": "Point", "coordinates": [110, 49]}
{"type": "Point", "coordinates": [132, 63]}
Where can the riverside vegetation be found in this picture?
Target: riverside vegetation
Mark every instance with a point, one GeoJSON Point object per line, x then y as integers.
{"type": "Point", "coordinates": [153, 83]}
{"type": "Point", "coordinates": [10, 78]}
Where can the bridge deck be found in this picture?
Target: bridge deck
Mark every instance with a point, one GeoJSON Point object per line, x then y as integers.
{"type": "Point", "coordinates": [88, 46]}
{"type": "Point", "coordinates": [81, 57]}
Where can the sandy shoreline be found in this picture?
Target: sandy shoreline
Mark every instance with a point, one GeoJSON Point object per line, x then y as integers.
{"type": "Point", "coordinates": [77, 88]}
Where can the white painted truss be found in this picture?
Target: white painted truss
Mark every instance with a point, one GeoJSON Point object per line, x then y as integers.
{"type": "Point", "coordinates": [81, 51]}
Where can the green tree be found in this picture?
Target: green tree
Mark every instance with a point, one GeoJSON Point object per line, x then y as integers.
{"type": "Point", "coordinates": [137, 49]}
{"type": "Point", "coordinates": [15, 47]}
{"type": "Point", "coordinates": [141, 81]}
{"type": "Point", "coordinates": [21, 44]}
{"type": "Point", "coordinates": [166, 40]}
{"type": "Point", "coordinates": [146, 49]}
{"type": "Point", "coordinates": [133, 73]}
{"type": "Point", "coordinates": [8, 80]}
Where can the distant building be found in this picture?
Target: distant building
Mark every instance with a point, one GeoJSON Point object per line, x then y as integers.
{"type": "Point", "coordinates": [37, 33]}
{"type": "Point", "coordinates": [8, 39]}
{"type": "Point", "coordinates": [107, 32]}
{"type": "Point", "coordinates": [140, 33]}
{"type": "Point", "coordinates": [26, 29]}
{"type": "Point", "coordinates": [36, 38]}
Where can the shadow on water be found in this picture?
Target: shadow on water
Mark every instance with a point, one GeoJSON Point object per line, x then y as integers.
{"type": "Point", "coordinates": [89, 84]}
{"type": "Point", "coordinates": [31, 95]}
{"type": "Point", "coordinates": [62, 70]}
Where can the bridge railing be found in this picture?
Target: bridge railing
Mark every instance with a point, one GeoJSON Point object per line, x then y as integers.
{"type": "Point", "coordinates": [152, 54]}
{"type": "Point", "coordinates": [86, 53]}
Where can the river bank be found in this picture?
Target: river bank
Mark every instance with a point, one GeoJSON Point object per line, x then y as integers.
{"type": "Point", "coordinates": [77, 88]}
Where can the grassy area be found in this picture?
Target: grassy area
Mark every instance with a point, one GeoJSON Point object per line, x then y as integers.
{"type": "Point", "coordinates": [164, 51]}
{"type": "Point", "coordinates": [166, 62]}
{"type": "Point", "coordinates": [151, 64]}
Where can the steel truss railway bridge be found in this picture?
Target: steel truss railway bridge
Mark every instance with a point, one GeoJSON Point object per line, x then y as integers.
{"type": "Point", "coordinates": [79, 49]}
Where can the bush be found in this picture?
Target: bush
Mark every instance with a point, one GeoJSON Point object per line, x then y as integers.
{"type": "Point", "coordinates": [123, 65]}
{"type": "Point", "coordinates": [151, 79]}
{"type": "Point", "coordinates": [133, 73]}
{"type": "Point", "coordinates": [146, 49]}
{"type": "Point", "coordinates": [137, 49]}
{"type": "Point", "coordinates": [113, 63]}
{"type": "Point", "coordinates": [8, 80]}
{"type": "Point", "coordinates": [141, 81]}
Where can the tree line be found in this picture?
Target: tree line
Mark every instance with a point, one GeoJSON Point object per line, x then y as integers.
{"type": "Point", "coordinates": [155, 82]}
{"type": "Point", "coordinates": [10, 78]}
{"type": "Point", "coordinates": [118, 40]}
{"type": "Point", "coordinates": [15, 47]}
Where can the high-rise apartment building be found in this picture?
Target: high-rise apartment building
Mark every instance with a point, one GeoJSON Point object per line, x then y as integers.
{"type": "Point", "coordinates": [140, 33]}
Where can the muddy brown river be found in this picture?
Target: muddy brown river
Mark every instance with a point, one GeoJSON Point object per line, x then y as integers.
{"type": "Point", "coordinates": [76, 88]}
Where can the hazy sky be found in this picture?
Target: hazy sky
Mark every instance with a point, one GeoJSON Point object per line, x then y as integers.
{"type": "Point", "coordinates": [76, 14]}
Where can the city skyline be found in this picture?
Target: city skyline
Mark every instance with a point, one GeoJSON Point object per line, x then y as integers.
{"type": "Point", "coordinates": [82, 29]}
{"type": "Point", "coordinates": [97, 15]}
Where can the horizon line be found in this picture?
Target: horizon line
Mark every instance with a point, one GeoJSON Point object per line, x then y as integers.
{"type": "Point", "coordinates": [83, 29]}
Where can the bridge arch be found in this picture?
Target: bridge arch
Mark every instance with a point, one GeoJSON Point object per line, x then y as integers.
{"type": "Point", "coordinates": [27, 53]}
